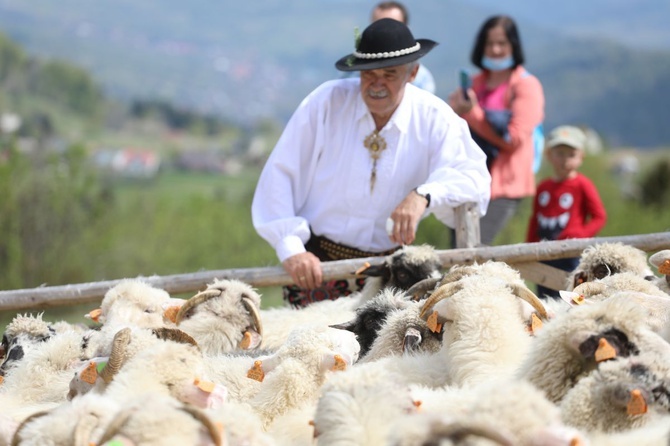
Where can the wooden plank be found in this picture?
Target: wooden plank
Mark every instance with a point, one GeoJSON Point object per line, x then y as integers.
{"type": "Point", "coordinates": [542, 274]}
{"type": "Point", "coordinates": [273, 276]}
{"type": "Point", "coordinates": [467, 225]}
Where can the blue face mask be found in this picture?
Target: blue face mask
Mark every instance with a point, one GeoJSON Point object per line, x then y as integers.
{"type": "Point", "coordinates": [497, 64]}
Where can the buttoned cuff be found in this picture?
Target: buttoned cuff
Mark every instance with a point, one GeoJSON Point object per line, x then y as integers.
{"type": "Point", "coordinates": [289, 246]}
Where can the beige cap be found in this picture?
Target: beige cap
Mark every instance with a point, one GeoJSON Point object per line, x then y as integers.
{"type": "Point", "coordinates": [567, 135]}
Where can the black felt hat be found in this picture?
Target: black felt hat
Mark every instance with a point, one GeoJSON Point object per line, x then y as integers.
{"type": "Point", "coordinates": [385, 43]}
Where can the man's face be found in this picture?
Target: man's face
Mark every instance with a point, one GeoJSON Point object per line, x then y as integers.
{"type": "Point", "coordinates": [383, 89]}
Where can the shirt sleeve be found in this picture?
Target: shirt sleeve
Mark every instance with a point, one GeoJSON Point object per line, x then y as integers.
{"type": "Point", "coordinates": [284, 182]}
{"type": "Point", "coordinates": [594, 214]}
{"type": "Point", "coordinates": [459, 174]}
{"type": "Point", "coordinates": [527, 107]}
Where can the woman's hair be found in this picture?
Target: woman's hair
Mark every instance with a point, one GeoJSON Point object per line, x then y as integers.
{"type": "Point", "coordinates": [511, 32]}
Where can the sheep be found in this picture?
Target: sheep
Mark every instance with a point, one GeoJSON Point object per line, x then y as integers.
{"type": "Point", "coordinates": [403, 331]}
{"type": "Point", "coordinates": [661, 261]}
{"type": "Point", "coordinates": [656, 433]}
{"type": "Point", "coordinates": [223, 318]}
{"type": "Point", "coordinates": [572, 345]}
{"type": "Point", "coordinates": [599, 261]}
{"type": "Point", "coordinates": [621, 394]}
{"type": "Point", "coordinates": [484, 323]}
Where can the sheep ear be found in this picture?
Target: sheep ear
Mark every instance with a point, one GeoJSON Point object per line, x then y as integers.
{"type": "Point", "coordinates": [376, 270]}
{"type": "Point", "coordinates": [579, 278]}
{"type": "Point", "coordinates": [349, 326]}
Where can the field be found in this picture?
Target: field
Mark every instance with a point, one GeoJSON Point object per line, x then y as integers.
{"type": "Point", "coordinates": [183, 222]}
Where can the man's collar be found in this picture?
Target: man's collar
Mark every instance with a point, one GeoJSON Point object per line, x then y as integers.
{"type": "Point", "coordinates": [401, 116]}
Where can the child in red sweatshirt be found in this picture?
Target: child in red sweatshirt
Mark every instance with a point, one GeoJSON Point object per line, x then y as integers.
{"type": "Point", "coordinates": [566, 205]}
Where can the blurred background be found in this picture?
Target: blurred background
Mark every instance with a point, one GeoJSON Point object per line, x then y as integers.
{"type": "Point", "coordinates": [132, 133]}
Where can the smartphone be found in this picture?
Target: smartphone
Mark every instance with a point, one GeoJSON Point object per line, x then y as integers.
{"type": "Point", "coordinates": [465, 82]}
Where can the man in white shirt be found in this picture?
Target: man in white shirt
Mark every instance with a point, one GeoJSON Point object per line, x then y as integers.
{"type": "Point", "coordinates": [358, 152]}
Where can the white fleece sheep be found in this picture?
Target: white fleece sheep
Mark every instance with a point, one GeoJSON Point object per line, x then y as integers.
{"type": "Point", "coordinates": [566, 349]}
{"type": "Point", "coordinates": [223, 318]}
{"type": "Point", "coordinates": [599, 261]}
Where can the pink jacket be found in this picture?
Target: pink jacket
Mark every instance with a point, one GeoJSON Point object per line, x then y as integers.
{"type": "Point", "coordinates": [512, 171]}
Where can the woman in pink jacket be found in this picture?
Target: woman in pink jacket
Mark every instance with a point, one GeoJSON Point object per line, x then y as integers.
{"type": "Point", "coordinates": [503, 109]}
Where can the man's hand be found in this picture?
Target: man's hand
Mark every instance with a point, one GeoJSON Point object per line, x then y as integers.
{"type": "Point", "coordinates": [304, 269]}
{"type": "Point", "coordinates": [406, 217]}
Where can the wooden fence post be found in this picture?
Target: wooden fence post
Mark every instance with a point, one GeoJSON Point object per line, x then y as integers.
{"type": "Point", "coordinates": [467, 230]}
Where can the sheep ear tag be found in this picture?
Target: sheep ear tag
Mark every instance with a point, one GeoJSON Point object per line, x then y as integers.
{"type": "Point", "coordinates": [90, 373]}
{"type": "Point", "coordinates": [362, 269]}
{"type": "Point", "coordinates": [340, 364]}
{"type": "Point", "coordinates": [571, 297]}
{"type": "Point", "coordinates": [664, 268]}
{"type": "Point", "coordinates": [535, 323]}
{"type": "Point", "coordinates": [250, 339]}
{"type": "Point", "coordinates": [256, 372]}
{"type": "Point", "coordinates": [170, 313]}
{"type": "Point", "coordinates": [432, 323]}
{"type": "Point", "coordinates": [605, 351]}
{"type": "Point", "coordinates": [94, 315]}
{"type": "Point", "coordinates": [2, 379]}
{"type": "Point", "coordinates": [205, 386]}
{"type": "Point", "coordinates": [637, 405]}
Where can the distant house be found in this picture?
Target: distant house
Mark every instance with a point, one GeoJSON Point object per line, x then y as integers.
{"type": "Point", "coordinates": [128, 162]}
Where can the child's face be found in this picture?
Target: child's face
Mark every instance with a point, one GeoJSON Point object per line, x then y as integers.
{"type": "Point", "coordinates": [565, 160]}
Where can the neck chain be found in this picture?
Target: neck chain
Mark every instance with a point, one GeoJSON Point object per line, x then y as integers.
{"type": "Point", "coordinates": [375, 143]}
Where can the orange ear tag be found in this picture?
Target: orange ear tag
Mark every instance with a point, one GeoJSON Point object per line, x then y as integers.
{"type": "Point", "coordinates": [535, 323]}
{"type": "Point", "coordinates": [340, 364]}
{"type": "Point", "coordinates": [576, 441]}
{"type": "Point", "coordinates": [417, 404]}
{"type": "Point", "coordinates": [90, 373]}
{"type": "Point", "coordinates": [245, 342]}
{"type": "Point", "coordinates": [432, 323]}
{"type": "Point", "coordinates": [605, 351]}
{"type": "Point", "coordinates": [578, 299]}
{"type": "Point", "coordinates": [205, 386]}
{"type": "Point", "coordinates": [256, 372]}
{"type": "Point", "coordinates": [170, 313]}
{"type": "Point", "coordinates": [2, 379]}
{"type": "Point", "coordinates": [664, 268]}
{"type": "Point", "coordinates": [95, 314]}
{"type": "Point", "coordinates": [636, 404]}
{"type": "Point", "coordinates": [362, 269]}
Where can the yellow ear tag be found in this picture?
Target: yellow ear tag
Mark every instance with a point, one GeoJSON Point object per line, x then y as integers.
{"type": "Point", "coordinates": [664, 268]}
{"type": "Point", "coordinates": [256, 372]}
{"type": "Point", "coordinates": [245, 342]}
{"type": "Point", "coordinates": [340, 364]}
{"type": "Point", "coordinates": [95, 314]}
{"type": "Point", "coordinates": [170, 313]}
{"type": "Point", "coordinates": [2, 379]}
{"type": "Point", "coordinates": [605, 351]}
{"type": "Point", "coordinates": [578, 299]}
{"type": "Point", "coordinates": [90, 373]}
{"type": "Point", "coordinates": [637, 405]}
{"type": "Point", "coordinates": [432, 323]}
{"type": "Point", "coordinates": [205, 386]}
{"type": "Point", "coordinates": [535, 323]}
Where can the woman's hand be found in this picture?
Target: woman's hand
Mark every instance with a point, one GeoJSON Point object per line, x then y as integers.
{"type": "Point", "coordinates": [459, 104]}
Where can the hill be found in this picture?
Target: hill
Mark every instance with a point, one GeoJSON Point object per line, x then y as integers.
{"type": "Point", "coordinates": [251, 60]}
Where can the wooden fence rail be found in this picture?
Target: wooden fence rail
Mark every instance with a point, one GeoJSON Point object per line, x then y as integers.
{"type": "Point", "coordinates": [520, 255]}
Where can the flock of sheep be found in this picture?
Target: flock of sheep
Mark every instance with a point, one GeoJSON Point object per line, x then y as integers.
{"type": "Point", "coordinates": [469, 356]}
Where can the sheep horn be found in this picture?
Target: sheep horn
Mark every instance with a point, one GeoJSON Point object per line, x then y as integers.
{"type": "Point", "coordinates": [199, 298]}
{"type": "Point", "coordinates": [526, 294]}
{"type": "Point", "coordinates": [590, 288]}
{"type": "Point", "coordinates": [419, 289]}
{"type": "Point", "coordinates": [211, 428]}
{"type": "Point", "coordinates": [457, 432]}
{"type": "Point", "coordinates": [457, 274]}
{"type": "Point", "coordinates": [84, 429]}
{"type": "Point", "coordinates": [118, 356]}
{"type": "Point", "coordinates": [16, 440]}
{"type": "Point", "coordinates": [442, 292]}
{"type": "Point", "coordinates": [174, 334]}
{"type": "Point", "coordinates": [115, 425]}
{"type": "Point", "coordinates": [251, 308]}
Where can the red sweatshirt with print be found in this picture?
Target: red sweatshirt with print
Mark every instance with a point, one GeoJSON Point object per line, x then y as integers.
{"type": "Point", "coordinates": [566, 209]}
